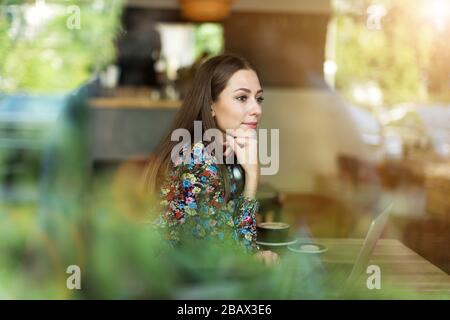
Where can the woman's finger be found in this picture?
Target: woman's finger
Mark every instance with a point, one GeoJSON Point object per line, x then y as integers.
{"type": "Point", "coordinates": [270, 258]}
{"type": "Point", "coordinates": [274, 257]}
{"type": "Point", "coordinates": [241, 133]}
{"type": "Point", "coordinates": [231, 133]}
{"type": "Point", "coordinates": [227, 151]}
{"type": "Point", "coordinates": [242, 142]}
{"type": "Point", "coordinates": [230, 142]}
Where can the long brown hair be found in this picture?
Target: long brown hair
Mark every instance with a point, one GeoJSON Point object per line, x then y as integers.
{"type": "Point", "coordinates": [209, 81]}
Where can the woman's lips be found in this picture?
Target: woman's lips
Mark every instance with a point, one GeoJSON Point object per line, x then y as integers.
{"type": "Point", "coordinates": [251, 124]}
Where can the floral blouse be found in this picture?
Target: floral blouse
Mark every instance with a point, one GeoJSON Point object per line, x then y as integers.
{"type": "Point", "coordinates": [192, 196]}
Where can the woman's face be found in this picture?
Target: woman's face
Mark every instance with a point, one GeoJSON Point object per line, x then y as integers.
{"type": "Point", "coordinates": [239, 104]}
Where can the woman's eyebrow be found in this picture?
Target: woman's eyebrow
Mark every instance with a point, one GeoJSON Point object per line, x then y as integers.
{"type": "Point", "coordinates": [248, 90]}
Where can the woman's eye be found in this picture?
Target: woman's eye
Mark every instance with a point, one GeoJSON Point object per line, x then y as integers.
{"type": "Point", "coordinates": [242, 98]}
{"type": "Point", "coordinates": [260, 99]}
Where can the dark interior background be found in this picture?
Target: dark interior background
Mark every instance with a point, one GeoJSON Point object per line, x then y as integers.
{"type": "Point", "coordinates": [258, 36]}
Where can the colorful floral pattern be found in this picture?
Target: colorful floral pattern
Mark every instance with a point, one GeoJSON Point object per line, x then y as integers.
{"type": "Point", "coordinates": [193, 202]}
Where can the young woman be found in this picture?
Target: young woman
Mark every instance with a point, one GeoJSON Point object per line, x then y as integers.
{"type": "Point", "coordinates": [202, 194]}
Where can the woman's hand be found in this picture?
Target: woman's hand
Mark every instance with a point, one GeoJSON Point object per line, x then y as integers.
{"type": "Point", "coordinates": [268, 257]}
{"type": "Point", "coordinates": [244, 144]}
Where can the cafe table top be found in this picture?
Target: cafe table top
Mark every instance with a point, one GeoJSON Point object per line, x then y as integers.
{"type": "Point", "coordinates": [403, 272]}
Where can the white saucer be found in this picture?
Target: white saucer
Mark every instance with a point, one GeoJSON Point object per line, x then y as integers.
{"type": "Point", "coordinates": [276, 244]}
{"type": "Point", "coordinates": [309, 247]}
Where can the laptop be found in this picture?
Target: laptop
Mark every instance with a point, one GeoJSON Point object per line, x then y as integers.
{"type": "Point", "coordinates": [359, 266]}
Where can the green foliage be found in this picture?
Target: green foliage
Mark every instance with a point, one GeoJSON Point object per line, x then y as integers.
{"type": "Point", "coordinates": [57, 56]}
{"type": "Point", "coordinates": [397, 57]}
{"type": "Point", "coordinates": [123, 258]}
{"type": "Point", "coordinates": [208, 38]}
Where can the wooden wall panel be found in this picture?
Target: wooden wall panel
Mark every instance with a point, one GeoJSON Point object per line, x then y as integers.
{"type": "Point", "coordinates": [287, 49]}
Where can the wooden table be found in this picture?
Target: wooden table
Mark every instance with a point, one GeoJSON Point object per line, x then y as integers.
{"type": "Point", "coordinates": [404, 273]}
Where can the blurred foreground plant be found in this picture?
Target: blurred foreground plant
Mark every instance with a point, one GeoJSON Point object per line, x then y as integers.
{"type": "Point", "coordinates": [44, 49]}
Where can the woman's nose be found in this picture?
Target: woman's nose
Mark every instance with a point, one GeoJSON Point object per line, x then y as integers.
{"type": "Point", "coordinates": [256, 108]}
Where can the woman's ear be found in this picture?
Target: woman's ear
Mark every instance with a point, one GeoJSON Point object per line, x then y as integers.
{"type": "Point", "coordinates": [213, 113]}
